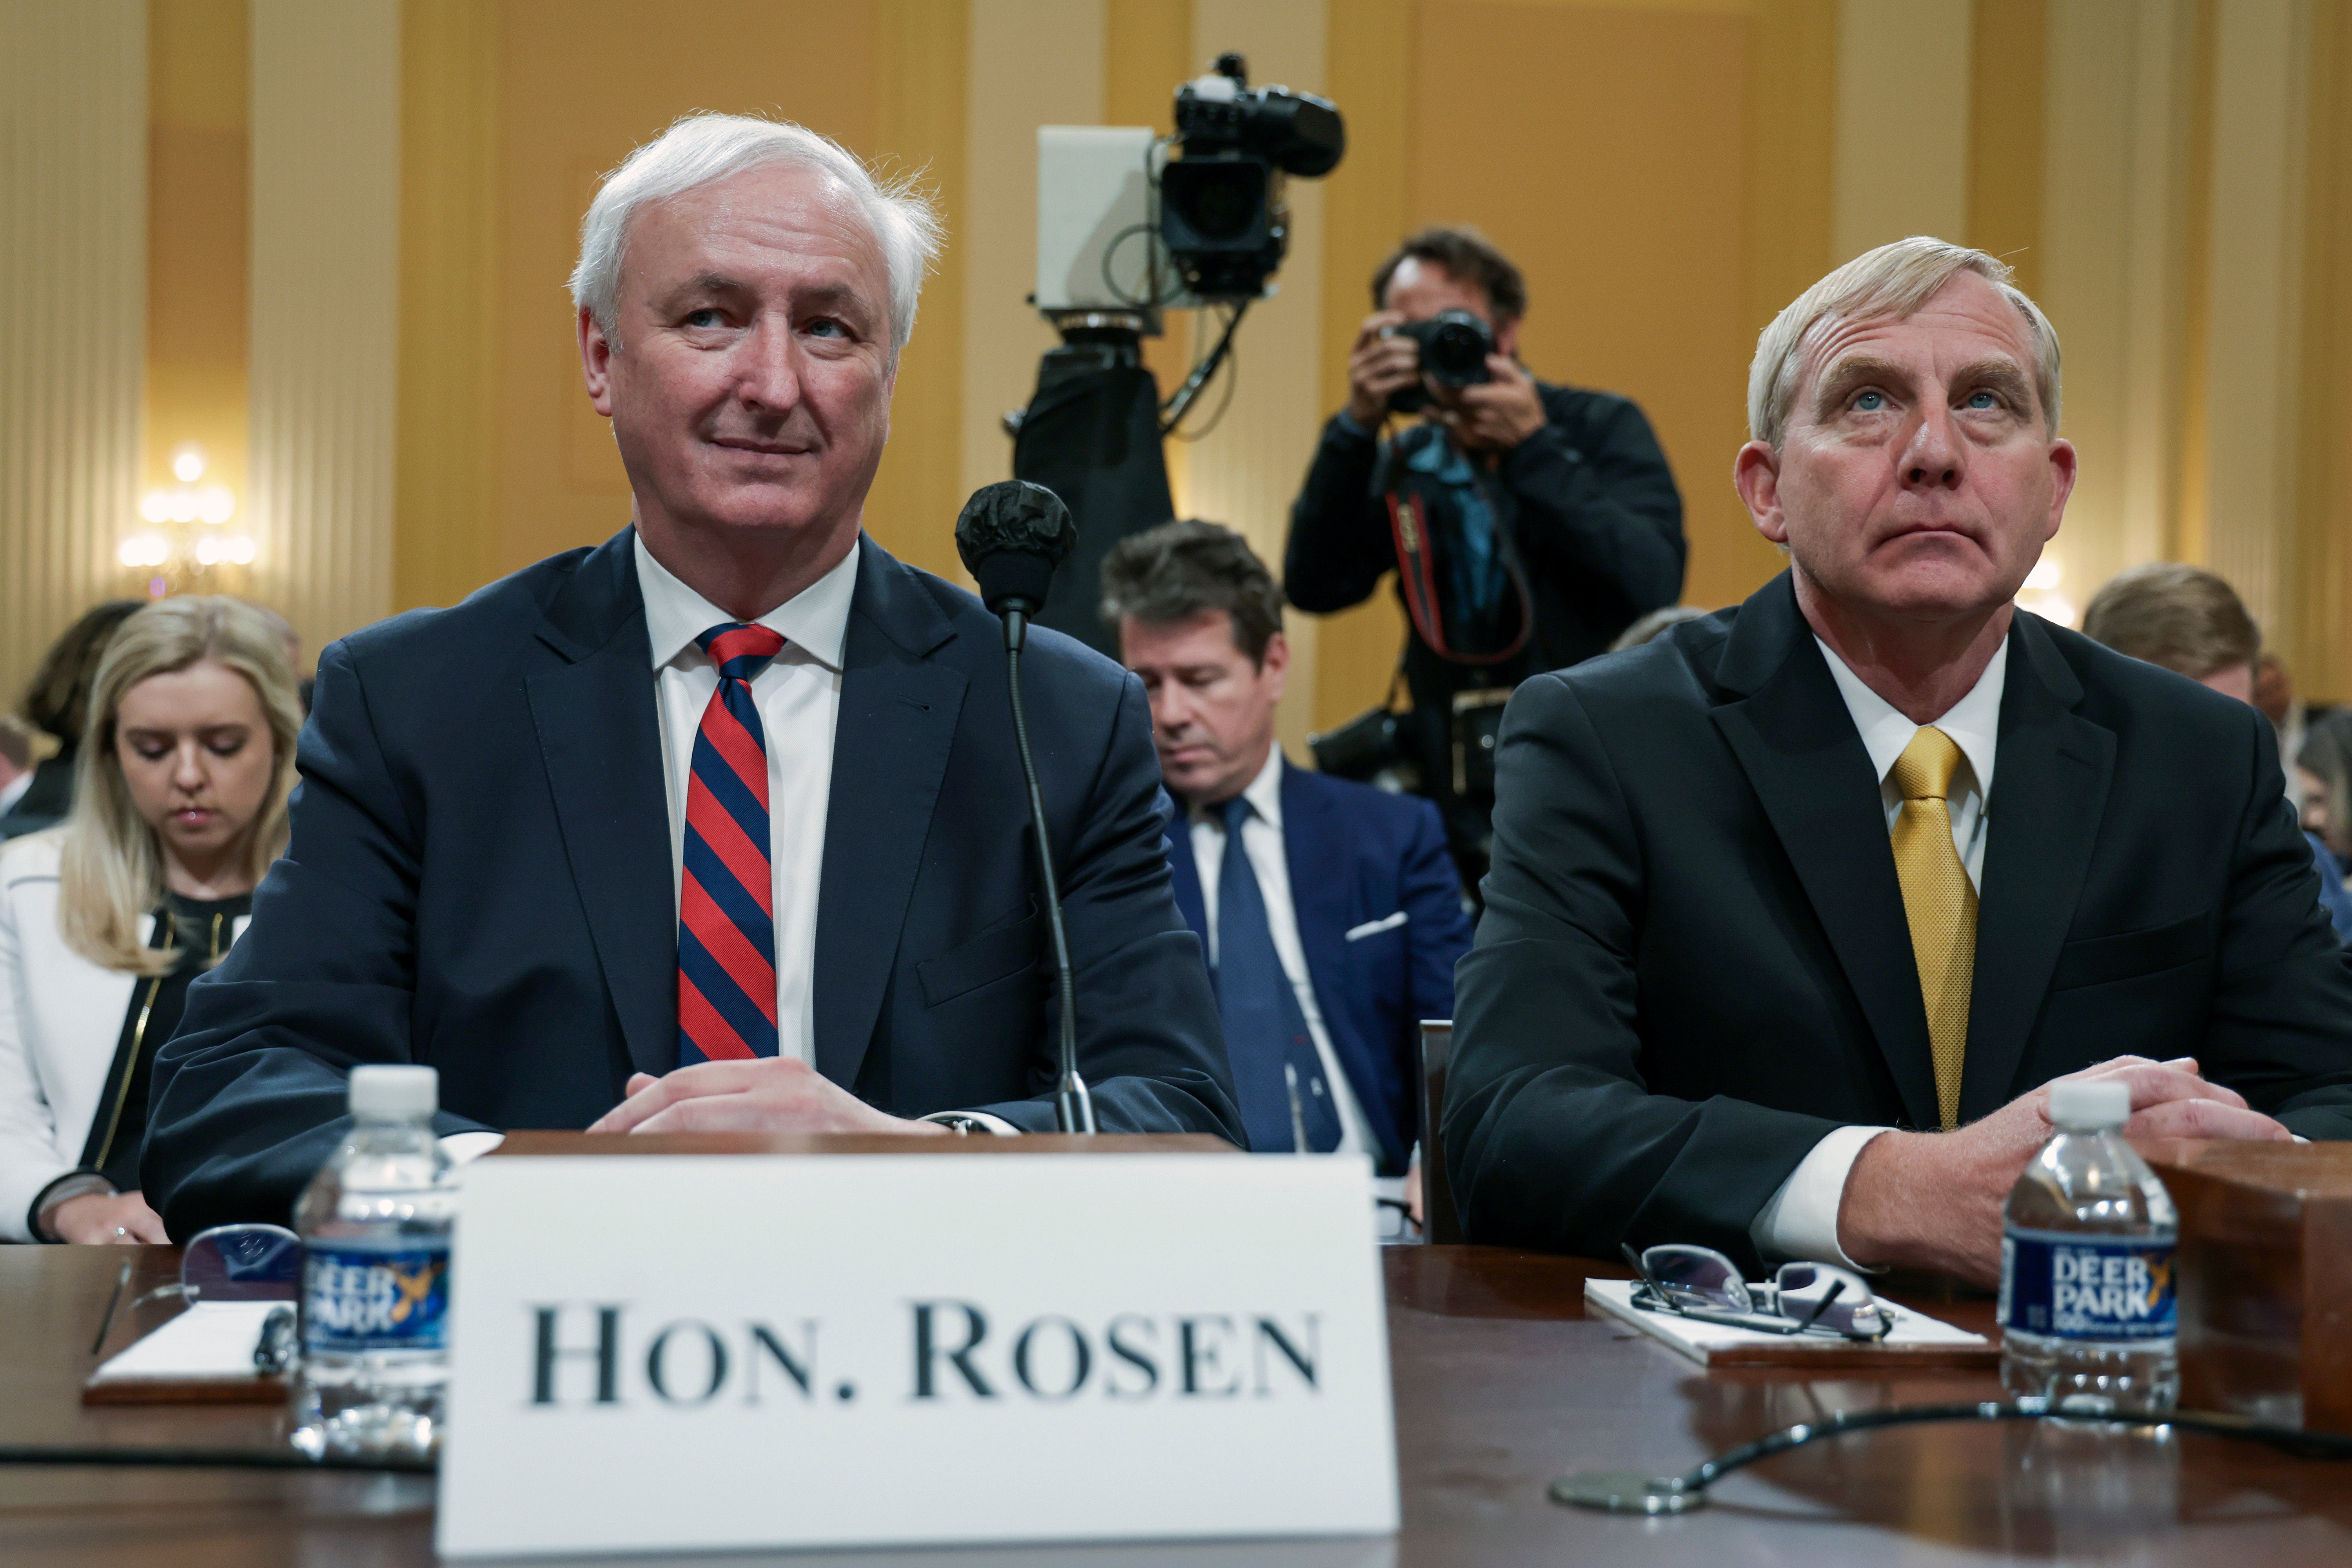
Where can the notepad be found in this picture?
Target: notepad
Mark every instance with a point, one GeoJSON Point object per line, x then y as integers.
{"type": "Point", "coordinates": [1915, 1338]}
{"type": "Point", "coordinates": [204, 1356]}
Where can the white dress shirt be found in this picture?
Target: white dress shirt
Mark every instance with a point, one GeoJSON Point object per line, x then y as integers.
{"type": "Point", "coordinates": [13, 790]}
{"type": "Point", "coordinates": [1262, 842]}
{"type": "Point", "coordinates": [799, 699]}
{"type": "Point", "coordinates": [1799, 1221]}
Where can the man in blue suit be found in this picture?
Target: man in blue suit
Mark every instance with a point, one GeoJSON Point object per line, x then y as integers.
{"type": "Point", "coordinates": [1330, 910]}
{"type": "Point", "coordinates": [720, 825]}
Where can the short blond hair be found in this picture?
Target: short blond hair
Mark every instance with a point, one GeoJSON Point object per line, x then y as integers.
{"type": "Point", "coordinates": [1886, 284]}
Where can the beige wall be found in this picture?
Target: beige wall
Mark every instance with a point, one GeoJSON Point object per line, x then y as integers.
{"type": "Point", "coordinates": [2169, 176]}
{"type": "Point", "coordinates": [73, 269]}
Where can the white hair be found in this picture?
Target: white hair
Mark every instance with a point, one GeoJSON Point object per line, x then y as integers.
{"type": "Point", "coordinates": [1886, 284]}
{"type": "Point", "coordinates": [700, 149]}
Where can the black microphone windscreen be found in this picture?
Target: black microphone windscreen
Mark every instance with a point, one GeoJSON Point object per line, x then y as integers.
{"type": "Point", "coordinates": [1010, 536]}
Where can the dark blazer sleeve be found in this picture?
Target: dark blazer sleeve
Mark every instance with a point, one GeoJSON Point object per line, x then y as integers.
{"type": "Point", "coordinates": [1600, 502]}
{"type": "Point", "coordinates": [2280, 1032]}
{"type": "Point", "coordinates": [251, 1094]}
{"type": "Point", "coordinates": [1552, 1138]}
{"type": "Point", "coordinates": [1338, 548]}
{"type": "Point", "coordinates": [1438, 926]}
{"type": "Point", "coordinates": [1149, 1046]}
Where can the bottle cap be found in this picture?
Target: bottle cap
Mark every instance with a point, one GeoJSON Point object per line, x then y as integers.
{"type": "Point", "coordinates": [386, 1093]}
{"type": "Point", "coordinates": [2090, 1104]}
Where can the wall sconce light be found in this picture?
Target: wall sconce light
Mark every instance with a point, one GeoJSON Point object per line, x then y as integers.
{"type": "Point", "coordinates": [185, 538]}
{"type": "Point", "coordinates": [2040, 592]}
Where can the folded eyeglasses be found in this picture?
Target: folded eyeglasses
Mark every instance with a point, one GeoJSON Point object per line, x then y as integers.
{"type": "Point", "coordinates": [1702, 1284]}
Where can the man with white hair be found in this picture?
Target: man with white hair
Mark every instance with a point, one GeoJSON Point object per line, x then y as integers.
{"type": "Point", "coordinates": [1771, 963]}
{"type": "Point", "coordinates": [720, 825]}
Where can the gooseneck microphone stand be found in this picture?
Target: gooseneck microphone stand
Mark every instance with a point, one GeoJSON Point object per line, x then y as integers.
{"type": "Point", "coordinates": [1073, 1107]}
{"type": "Point", "coordinates": [1010, 536]}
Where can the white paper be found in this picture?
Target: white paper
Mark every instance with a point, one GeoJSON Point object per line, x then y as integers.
{"type": "Point", "coordinates": [1695, 1338]}
{"type": "Point", "coordinates": [1181, 1258]}
{"type": "Point", "coordinates": [210, 1340]}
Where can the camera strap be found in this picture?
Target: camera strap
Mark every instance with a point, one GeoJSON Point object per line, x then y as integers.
{"type": "Point", "coordinates": [1416, 554]}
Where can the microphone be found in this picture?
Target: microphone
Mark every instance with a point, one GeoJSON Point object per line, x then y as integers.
{"type": "Point", "coordinates": [1011, 536]}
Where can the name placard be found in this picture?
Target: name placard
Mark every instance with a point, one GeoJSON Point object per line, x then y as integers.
{"type": "Point", "coordinates": [701, 1351]}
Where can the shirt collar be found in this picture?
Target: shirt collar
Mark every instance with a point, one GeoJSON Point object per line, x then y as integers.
{"type": "Point", "coordinates": [1264, 793]}
{"type": "Point", "coordinates": [816, 620]}
{"type": "Point", "coordinates": [1973, 723]}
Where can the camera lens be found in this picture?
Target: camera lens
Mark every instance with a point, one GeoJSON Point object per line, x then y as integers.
{"type": "Point", "coordinates": [1220, 201]}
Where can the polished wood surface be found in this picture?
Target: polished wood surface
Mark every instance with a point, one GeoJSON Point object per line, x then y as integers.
{"type": "Point", "coordinates": [2265, 1272]}
{"type": "Point", "coordinates": [1502, 1382]}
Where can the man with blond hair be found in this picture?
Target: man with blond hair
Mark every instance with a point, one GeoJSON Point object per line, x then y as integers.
{"type": "Point", "coordinates": [1771, 962]}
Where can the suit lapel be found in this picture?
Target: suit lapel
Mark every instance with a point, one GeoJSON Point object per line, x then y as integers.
{"type": "Point", "coordinates": [600, 738]}
{"type": "Point", "coordinates": [897, 724]}
{"type": "Point", "coordinates": [1798, 745]}
{"type": "Point", "coordinates": [2050, 771]}
{"type": "Point", "coordinates": [1184, 878]}
{"type": "Point", "coordinates": [1319, 885]}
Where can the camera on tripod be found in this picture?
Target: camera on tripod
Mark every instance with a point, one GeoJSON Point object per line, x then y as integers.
{"type": "Point", "coordinates": [1131, 224]}
{"type": "Point", "coordinates": [1222, 212]}
{"type": "Point", "coordinates": [1453, 349]}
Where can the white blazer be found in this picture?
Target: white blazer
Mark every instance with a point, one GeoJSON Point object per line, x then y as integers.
{"type": "Point", "coordinates": [60, 1019]}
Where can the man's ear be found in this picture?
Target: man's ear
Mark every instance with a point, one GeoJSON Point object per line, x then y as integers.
{"type": "Point", "coordinates": [1276, 664]}
{"type": "Point", "coordinates": [1756, 474]}
{"type": "Point", "coordinates": [596, 362]}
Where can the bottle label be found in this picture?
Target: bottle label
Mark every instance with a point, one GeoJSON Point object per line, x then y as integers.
{"type": "Point", "coordinates": [2075, 1286]}
{"type": "Point", "coordinates": [357, 1299]}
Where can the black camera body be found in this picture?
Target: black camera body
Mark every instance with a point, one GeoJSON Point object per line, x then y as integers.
{"type": "Point", "coordinates": [1453, 349]}
{"type": "Point", "coordinates": [1223, 213]}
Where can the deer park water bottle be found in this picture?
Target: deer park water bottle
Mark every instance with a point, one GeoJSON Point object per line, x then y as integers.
{"type": "Point", "coordinates": [375, 1291]}
{"type": "Point", "coordinates": [2086, 1279]}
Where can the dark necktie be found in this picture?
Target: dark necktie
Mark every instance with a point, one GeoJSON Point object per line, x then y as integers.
{"type": "Point", "coordinates": [1275, 1065]}
{"type": "Point", "coordinates": [726, 892]}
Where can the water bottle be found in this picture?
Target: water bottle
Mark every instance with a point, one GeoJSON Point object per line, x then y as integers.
{"type": "Point", "coordinates": [375, 1290]}
{"type": "Point", "coordinates": [2086, 1281]}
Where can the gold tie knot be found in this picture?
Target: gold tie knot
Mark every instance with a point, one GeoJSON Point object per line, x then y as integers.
{"type": "Point", "coordinates": [1925, 770]}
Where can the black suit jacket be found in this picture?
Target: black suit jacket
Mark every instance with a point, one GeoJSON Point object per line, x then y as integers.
{"type": "Point", "coordinates": [1693, 961]}
{"type": "Point", "coordinates": [480, 880]}
{"type": "Point", "coordinates": [1588, 499]}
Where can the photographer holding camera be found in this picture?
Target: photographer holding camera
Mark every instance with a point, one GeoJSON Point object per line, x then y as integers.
{"type": "Point", "coordinates": [1528, 523]}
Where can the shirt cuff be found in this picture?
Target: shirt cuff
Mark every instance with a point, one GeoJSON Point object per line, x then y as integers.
{"type": "Point", "coordinates": [1800, 1220]}
{"type": "Point", "coordinates": [72, 1185]}
{"type": "Point", "coordinates": [465, 1148]}
{"type": "Point", "coordinates": [996, 1124]}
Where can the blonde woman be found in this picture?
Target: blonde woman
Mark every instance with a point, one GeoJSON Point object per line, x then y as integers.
{"type": "Point", "coordinates": [179, 805]}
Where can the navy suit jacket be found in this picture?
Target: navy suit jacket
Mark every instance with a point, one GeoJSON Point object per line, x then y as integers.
{"type": "Point", "coordinates": [1358, 857]}
{"type": "Point", "coordinates": [480, 880]}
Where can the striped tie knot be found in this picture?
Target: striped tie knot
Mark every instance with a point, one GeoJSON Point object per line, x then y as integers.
{"type": "Point", "coordinates": [741, 652]}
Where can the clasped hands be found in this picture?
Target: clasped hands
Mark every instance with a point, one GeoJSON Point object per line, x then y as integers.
{"type": "Point", "coordinates": [1934, 1200]}
{"type": "Point", "coordinates": [767, 1094]}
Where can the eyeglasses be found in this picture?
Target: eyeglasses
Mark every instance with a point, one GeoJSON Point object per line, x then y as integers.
{"type": "Point", "coordinates": [226, 1263]}
{"type": "Point", "coordinates": [1702, 1284]}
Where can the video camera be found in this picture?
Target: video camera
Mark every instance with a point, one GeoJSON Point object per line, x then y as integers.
{"type": "Point", "coordinates": [1224, 215]}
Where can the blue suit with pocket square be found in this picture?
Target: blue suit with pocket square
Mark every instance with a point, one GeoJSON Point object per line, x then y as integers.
{"type": "Point", "coordinates": [1377, 906]}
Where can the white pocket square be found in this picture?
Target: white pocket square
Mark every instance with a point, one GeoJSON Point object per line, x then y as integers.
{"type": "Point", "coordinates": [1374, 927]}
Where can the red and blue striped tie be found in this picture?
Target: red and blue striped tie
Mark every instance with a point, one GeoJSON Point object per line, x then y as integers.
{"type": "Point", "coordinates": [726, 897]}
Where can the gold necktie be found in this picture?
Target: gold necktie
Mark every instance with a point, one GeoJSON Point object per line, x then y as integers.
{"type": "Point", "coordinates": [1939, 903]}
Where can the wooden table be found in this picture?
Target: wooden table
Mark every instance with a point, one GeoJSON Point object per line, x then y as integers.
{"type": "Point", "coordinates": [1502, 1382]}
